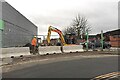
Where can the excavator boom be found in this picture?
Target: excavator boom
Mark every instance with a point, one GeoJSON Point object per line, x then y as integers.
{"type": "Point", "coordinates": [59, 32]}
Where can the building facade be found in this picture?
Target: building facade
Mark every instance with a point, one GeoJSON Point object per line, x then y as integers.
{"type": "Point", "coordinates": [17, 29]}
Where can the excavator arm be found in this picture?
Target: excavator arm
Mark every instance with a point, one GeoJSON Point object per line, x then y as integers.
{"type": "Point", "coordinates": [48, 36]}
{"type": "Point", "coordinates": [50, 29]}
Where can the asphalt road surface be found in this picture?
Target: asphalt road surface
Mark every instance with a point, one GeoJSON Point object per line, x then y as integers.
{"type": "Point", "coordinates": [74, 68]}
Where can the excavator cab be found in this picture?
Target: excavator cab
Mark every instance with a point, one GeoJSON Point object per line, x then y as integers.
{"type": "Point", "coordinates": [70, 38]}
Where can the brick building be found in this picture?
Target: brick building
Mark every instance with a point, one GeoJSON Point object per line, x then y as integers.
{"type": "Point", "coordinates": [113, 37]}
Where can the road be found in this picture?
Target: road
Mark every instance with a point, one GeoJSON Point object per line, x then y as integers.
{"type": "Point", "coordinates": [74, 68]}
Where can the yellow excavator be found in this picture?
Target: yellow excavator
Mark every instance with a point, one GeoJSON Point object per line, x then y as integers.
{"type": "Point", "coordinates": [63, 41]}
{"type": "Point", "coordinates": [50, 29]}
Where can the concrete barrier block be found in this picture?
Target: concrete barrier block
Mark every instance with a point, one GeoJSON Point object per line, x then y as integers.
{"type": "Point", "coordinates": [49, 50]}
{"type": "Point", "coordinates": [73, 48]}
{"type": "Point", "coordinates": [15, 51]}
{"type": "Point", "coordinates": [114, 49]}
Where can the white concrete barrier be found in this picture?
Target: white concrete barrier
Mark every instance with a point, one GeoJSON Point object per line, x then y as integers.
{"type": "Point", "coordinates": [15, 52]}
{"type": "Point", "coordinates": [114, 49]}
{"type": "Point", "coordinates": [49, 50]}
{"type": "Point", "coordinates": [73, 48]}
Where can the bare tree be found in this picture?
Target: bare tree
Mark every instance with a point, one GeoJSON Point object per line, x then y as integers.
{"type": "Point", "coordinates": [69, 30]}
{"type": "Point", "coordinates": [79, 26]}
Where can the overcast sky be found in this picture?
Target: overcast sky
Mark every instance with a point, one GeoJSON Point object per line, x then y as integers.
{"type": "Point", "coordinates": [101, 14]}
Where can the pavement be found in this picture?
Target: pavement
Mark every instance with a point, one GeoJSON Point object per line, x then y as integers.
{"type": "Point", "coordinates": [73, 66]}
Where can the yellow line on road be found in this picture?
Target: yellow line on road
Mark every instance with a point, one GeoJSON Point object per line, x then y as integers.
{"type": "Point", "coordinates": [107, 75]}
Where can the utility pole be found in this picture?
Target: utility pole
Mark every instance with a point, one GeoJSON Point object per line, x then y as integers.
{"type": "Point", "coordinates": [87, 40]}
{"type": "Point", "coordinates": [102, 40]}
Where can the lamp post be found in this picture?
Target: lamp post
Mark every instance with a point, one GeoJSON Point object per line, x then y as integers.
{"type": "Point", "coordinates": [102, 40]}
{"type": "Point", "coordinates": [87, 40]}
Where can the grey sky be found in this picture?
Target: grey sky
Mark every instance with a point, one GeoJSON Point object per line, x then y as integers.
{"type": "Point", "coordinates": [101, 14]}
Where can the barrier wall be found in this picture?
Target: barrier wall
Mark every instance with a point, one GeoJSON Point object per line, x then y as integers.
{"type": "Point", "coordinates": [49, 50]}
{"type": "Point", "coordinates": [73, 48]}
{"type": "Point", "coordinates": [15, 52]}
{"type": "Point", "coordinates": [114, 49]}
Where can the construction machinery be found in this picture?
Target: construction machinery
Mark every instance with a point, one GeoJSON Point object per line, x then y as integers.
{"type": "Point", "coordinates": [69, 39]}
{"type": "Point", "coordinates": [50, 29]}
